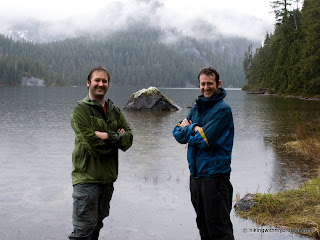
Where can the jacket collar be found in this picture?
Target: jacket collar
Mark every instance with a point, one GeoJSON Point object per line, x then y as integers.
{"type": "Point", "coordinates": [204, 103]}
{"type": "Point", "coordinates": [87, 100]}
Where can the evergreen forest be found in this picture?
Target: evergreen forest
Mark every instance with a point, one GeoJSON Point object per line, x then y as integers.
{"type": "Point", "coordinates": [289, 60]}
{"type": "Point", "coordinates": [139, 56]}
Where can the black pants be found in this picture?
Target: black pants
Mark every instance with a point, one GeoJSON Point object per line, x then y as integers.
{"type": "Point", "coordinates": [212, 201]}
{"type": "Point", "coordinates": [91, 204]}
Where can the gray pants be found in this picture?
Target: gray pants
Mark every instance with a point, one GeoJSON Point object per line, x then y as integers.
{"type": "Point", "coordinates": [91, 204]}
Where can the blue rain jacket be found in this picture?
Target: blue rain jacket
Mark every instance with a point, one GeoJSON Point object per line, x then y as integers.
{"type": "Point", "coordinates": [210, 148]}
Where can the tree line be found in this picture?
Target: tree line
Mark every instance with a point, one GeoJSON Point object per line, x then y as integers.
{"type": "Point", "coordinates": [136, 57]}
{"type": "Point", "coordinates": [289, 60]}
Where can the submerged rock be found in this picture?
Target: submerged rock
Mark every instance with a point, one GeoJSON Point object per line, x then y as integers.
{"type": "Point", "coordinates": [150, 99]}
{"type": "Point", "coordinates": [245, 203]}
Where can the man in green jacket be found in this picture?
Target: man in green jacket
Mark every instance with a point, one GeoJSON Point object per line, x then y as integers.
{"type": "Point", "coordinates": [100, 130]}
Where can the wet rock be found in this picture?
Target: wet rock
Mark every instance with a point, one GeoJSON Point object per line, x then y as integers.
{"type": "Point", "coordinates": [245, 203]}
{"type": "Point", "coordinates": [32, 82]}
{"type": "Point", "coordinates": [150, 99]}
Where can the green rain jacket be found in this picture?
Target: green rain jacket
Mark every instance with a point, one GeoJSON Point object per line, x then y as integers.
{"type": "Point", "coordinates": [95, 160]}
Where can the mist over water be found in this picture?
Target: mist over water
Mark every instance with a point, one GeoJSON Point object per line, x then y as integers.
{"type": "Point", "coordinates": [151, 198]}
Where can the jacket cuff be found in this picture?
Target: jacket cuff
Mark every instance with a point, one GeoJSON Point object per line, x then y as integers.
{"type": "Point", "coordinates": [189, 128]}
{"type": "Point", "coordinates": [113, 137]}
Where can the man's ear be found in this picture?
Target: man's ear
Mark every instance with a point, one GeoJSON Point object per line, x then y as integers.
{"type": "Point", "coordinates": [219, 84]}
{"type": "Point", "coordinates": [88, 83]}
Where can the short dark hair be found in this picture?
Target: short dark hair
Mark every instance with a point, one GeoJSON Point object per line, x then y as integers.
{"type": "Point", "coordinates": [209, 71]}
{"type": "Point", "coordinates": [98, 69]}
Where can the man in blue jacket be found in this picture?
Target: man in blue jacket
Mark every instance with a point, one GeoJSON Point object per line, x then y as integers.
{"type": "Point", "coordinates": [209, 131]}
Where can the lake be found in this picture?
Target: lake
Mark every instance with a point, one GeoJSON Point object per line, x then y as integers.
{"type": "Point", "coordinates": [151, 198]}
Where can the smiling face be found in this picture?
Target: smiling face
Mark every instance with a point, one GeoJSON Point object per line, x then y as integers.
{"type": "Point", "coordinates": [208, 85]}
{"type": "Point", "coordinates": [98, 85]}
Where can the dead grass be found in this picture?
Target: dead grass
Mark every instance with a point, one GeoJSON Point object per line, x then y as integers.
{"type": "Point", "coordinates": [307, 141]}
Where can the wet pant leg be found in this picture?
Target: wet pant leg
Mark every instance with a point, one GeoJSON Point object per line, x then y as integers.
{"type": "Point", "coordinates": [212, 201]}
{"type": "Point", "coordinates": [91, 204]}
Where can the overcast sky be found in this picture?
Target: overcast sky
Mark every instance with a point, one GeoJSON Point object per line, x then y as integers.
{"type": "Point", "coordinates": [247, 18]}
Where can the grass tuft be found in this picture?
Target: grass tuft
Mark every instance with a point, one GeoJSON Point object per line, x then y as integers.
{"type": "Point", "coordinates": [292, 209]}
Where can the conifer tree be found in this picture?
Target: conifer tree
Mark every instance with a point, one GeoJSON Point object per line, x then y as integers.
{"type": "Point", "coordinates": [247, 62]}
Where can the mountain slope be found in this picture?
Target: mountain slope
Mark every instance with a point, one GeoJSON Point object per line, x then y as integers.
{"type": "Point", "coordinates": [139, 56]}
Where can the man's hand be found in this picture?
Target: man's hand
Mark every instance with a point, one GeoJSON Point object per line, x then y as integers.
{"type": "Point", "coordinates": [121, 131]}
{"type": "Point", "coordinates": [196, 128]}
{"type": "Point", "coordinates": [105, 135]}
{"type": "Point", "coordinates": [185, 123]}
{"type": "Point", "coordinates": [102, 135]}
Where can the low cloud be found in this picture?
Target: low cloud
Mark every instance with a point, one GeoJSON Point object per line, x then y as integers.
{"type": "Point", "coordinates": [116, 15]}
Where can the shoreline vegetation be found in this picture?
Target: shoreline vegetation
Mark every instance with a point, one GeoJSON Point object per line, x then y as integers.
{"type": "Point", "coordinates": [294, 209]}
{"type": "Point", "coordinates": [266, 91]}
{"type": "Point", "coordinates": [288, 60]}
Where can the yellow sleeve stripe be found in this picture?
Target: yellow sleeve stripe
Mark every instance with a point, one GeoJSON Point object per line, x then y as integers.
{"type": "Point", "coordinates": [178, 124]}
{"type": "Point", "coordinates": [203, 136]}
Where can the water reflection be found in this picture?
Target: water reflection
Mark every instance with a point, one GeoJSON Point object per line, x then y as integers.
{"type": "Point", "coordinates": [275, 119]}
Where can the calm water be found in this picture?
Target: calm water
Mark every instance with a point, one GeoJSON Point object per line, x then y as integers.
{"type": "Point", "coordinates": [151, 198]}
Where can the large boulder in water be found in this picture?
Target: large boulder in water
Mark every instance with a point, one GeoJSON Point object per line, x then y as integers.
{"type": "Point", "coordinates": [150, 99]}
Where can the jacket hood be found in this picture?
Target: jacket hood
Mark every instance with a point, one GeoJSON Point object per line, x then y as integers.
{"type": "Point", "coordinates": [204, 102]}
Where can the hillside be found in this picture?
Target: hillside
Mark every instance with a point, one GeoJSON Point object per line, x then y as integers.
{"type": "Point", "coordinates": [139, 56]}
